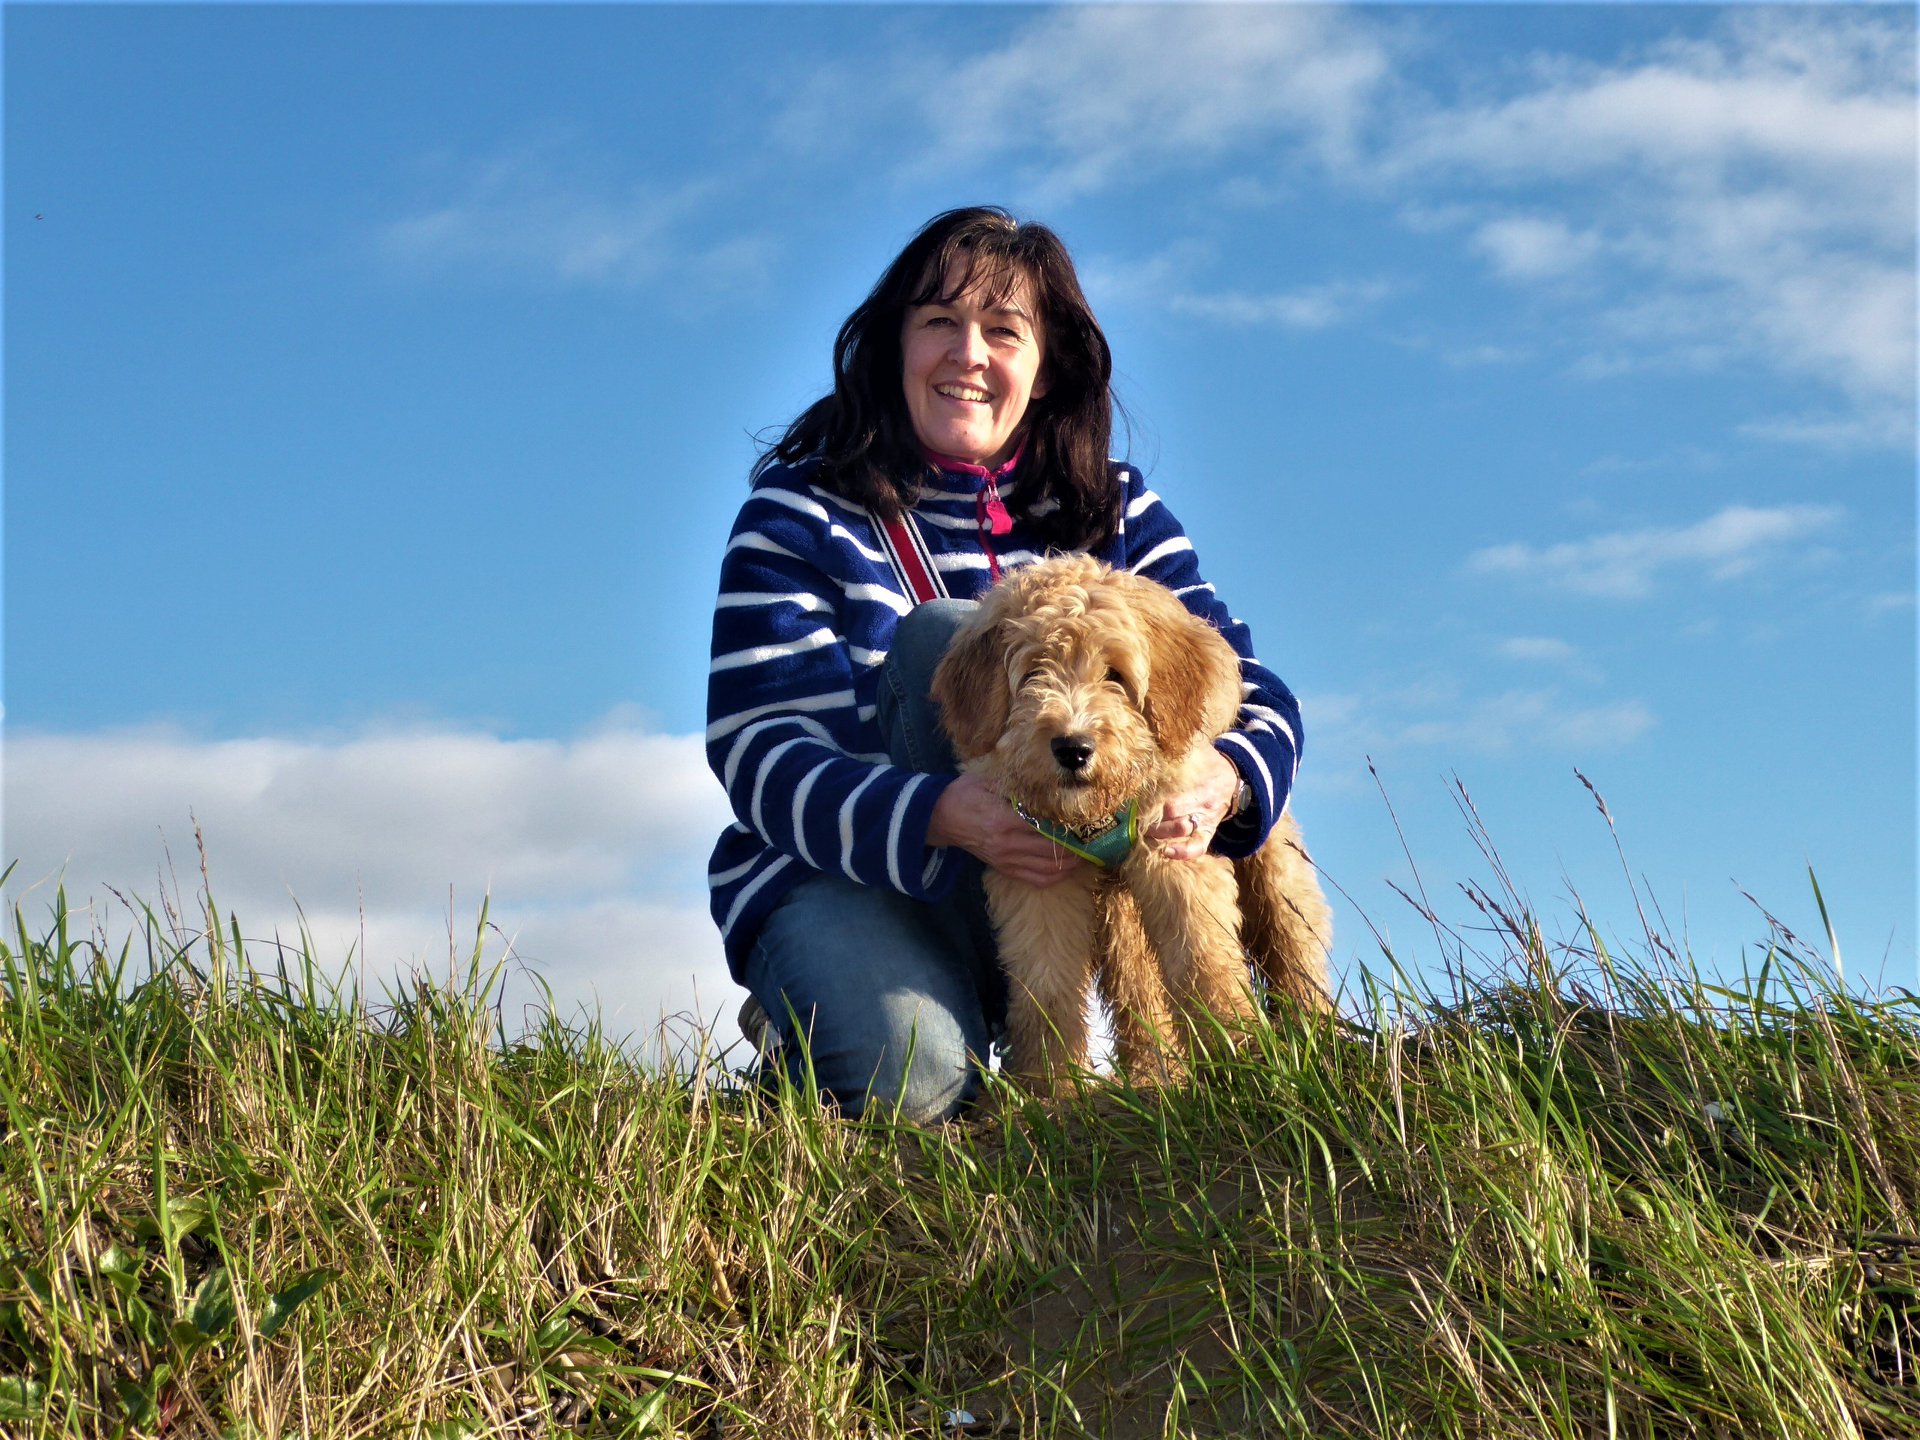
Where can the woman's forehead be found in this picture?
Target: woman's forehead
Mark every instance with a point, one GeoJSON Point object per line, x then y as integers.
{"type": "Point", "coordinates": [993, 281]}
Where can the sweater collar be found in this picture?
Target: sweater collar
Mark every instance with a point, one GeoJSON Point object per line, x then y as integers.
{"type": "Point", "coordinates": [953, 465]}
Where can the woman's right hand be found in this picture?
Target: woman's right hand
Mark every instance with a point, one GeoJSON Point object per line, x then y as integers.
{"type": "Point", "coordinates": [977, 818]}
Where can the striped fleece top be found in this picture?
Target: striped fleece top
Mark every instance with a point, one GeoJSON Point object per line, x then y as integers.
{"type": "Point", "coordinates": [807, 607]}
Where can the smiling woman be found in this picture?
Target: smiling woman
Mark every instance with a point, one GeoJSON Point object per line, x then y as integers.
{"type": "Point", "coordinates": [966, 435]}
{"type": "Point", "coordinates": [972, 362]}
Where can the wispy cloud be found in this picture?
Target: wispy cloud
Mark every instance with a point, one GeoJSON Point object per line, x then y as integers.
{"type": "Point", "coordinates": [1309, 307]}
{"type": "Point", "coordinates": [1823, 430]}
{"type": "Point", "coordinates": [1754, 190]}
{"type": "Point", "coordinates": [1165, 281]}
{"type": "Point", "coordinates": [1088, 97]}
{"type": "Point", "coordinates": [1528, 247]}
{"type": "Point", "coordinates": [1685, 459]}
{"type": "Point", "coordinates": [1537, 648]}
{"type": "Point", "coordinates": [591, 848]}
{"type": "Point", "coordinates": [551, 211]}
{"type": "Point", "coordinates": [1441, 714]}
{"type": "Point", "coordinates": [1548, 652]}
{"type": "Point", "coordinates": [1488, 354]}
{"type": "Point", "coordinates": [1745, 197]}
{"type": "Point", "coordinates": [1625, 564]}
{"type": "Point", "coordinates": [1816, 91]}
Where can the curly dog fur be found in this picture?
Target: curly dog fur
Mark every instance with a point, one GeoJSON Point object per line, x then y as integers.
{"type": "Point", "coordinates": [1074, 689]}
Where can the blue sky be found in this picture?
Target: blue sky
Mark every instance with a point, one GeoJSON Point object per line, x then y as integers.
{"type": "Point", "coordinates": [381, 382]}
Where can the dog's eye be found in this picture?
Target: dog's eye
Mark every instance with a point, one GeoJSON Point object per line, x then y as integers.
{"type": "Point", "coordinates": [1032, 675]}
{"type": "Point", "coordinates": [1116, 678]}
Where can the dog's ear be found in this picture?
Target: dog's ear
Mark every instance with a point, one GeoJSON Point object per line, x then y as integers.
{"type": "Point", "coordinates": [1193, 690]}
{"type": "Point", "coordinates": [970, 687]}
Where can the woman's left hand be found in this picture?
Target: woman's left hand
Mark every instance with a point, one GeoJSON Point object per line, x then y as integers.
{"type": "Point", "coordinates": [1186, 822]}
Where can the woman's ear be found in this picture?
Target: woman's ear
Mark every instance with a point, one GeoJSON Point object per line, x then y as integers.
{"type": "Point", "coordinates": [970, 687]}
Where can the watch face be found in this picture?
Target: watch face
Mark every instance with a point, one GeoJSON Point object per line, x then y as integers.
{"type": "Point", "coordinates": [1243, 799]}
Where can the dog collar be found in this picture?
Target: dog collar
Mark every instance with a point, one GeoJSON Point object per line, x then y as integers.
{"type": "Point", "coordinates": [1105, 842]}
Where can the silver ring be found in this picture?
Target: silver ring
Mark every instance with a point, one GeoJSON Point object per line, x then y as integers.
{"type": "Point", "coordinates": [1193, 820]}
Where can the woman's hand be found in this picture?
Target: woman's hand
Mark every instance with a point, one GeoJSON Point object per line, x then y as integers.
{"type": "Point", "coordinates": [970, 813]}
{"type": "Point", "coordinates": [1187, 821]}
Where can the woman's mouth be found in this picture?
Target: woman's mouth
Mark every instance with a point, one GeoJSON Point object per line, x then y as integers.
{"type": "Point", "coordinates": [972, 394]}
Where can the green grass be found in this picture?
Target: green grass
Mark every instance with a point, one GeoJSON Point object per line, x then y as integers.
{"type": "Point", "coordinates": [1574, 1197]}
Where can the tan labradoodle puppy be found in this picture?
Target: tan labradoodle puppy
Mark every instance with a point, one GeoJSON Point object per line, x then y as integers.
{"type": "Point", "coordinates": [1086, 696]}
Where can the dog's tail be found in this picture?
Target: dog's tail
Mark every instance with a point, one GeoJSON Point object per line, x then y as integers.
{"type": "Point", "coordinates": [1286, 927]}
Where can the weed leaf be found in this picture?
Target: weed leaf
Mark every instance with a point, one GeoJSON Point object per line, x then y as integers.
{"type": "Point", "coordinates": [212, 1311]}
{"type": "Point", "coordinates": [281, 1305]}
{"type": "Point", "coordinates": [21, 1398]}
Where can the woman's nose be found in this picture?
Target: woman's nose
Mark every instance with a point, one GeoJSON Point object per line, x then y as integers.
{"type": "Point", "coordinates": [970, 344]}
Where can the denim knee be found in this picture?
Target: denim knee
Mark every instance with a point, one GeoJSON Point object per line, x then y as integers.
{"type": "Point", "coordinates": [878, 1000]}
{"type": "Point", "coordinates": [923, 1068]}
{"type": "Point", "coordinates": [909, 1056]}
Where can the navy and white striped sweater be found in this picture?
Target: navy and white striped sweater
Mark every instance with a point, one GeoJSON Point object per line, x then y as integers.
{"type": "Point", "coordinates": [807, 607]}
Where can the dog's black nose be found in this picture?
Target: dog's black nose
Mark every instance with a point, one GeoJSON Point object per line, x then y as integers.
{"type": "Point", "coordinates": [1072, 752]}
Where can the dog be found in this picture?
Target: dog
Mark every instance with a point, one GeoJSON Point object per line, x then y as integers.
{"type": "Point", "coordinates": [1087, 696]}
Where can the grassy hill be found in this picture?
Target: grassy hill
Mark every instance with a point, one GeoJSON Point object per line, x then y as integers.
{"type": "Point", "coordinates": [1576, 1197]}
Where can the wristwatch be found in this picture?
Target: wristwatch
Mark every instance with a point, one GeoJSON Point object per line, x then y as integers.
{"type": "Point", "coordinates": [1242, 801]}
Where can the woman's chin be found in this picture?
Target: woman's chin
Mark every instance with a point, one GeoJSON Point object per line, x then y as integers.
{"type": "Point", "coordinates": [964, 444]}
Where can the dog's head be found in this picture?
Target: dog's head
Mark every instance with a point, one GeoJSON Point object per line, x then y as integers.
{"type": "Point", "coordinates": [1083, 684]}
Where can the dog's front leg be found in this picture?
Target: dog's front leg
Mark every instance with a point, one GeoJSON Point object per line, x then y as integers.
{"type": "Point", "coordinates": [1190, 910]}
{"type": "Point", "coordinates": [1046, 948]}
{"type": "Point", "coordinates": [1145, 1041]}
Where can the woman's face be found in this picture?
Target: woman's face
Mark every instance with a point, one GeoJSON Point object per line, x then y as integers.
{"type": "Point", "coordinates": [970, 366]}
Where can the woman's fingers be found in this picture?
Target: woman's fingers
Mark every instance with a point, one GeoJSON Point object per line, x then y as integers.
{"type": "Point", "coordinates": [1185, 830]}
{"type": "Point", "coordinates": [1024, 854]}
{"type": "Point", "coordinates": [1186, 822]}
{"type": "Point", "coordinates": [974, 816]}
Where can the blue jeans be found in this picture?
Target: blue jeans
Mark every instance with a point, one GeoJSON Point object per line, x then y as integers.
{"type": "Point", "coordinates": [895, 1002]}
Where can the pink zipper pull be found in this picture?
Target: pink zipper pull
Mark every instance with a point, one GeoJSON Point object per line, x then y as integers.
{"type": "Point", "coordinates": [992, 518]}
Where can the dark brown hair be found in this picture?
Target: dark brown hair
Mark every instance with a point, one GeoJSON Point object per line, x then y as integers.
{"type": "Point", "coordinates": [862, 432]}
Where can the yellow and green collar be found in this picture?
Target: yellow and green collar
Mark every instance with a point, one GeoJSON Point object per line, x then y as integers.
{"type": "Point", "coordinates": [1106, 843]}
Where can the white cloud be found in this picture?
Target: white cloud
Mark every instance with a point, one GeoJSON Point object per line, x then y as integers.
{"type": "Point", "coordinates": [1488, 354]}
{"type": "Point", "coordinates": [1691, 459]}
{"type": "Point", "coordinates": [592, 849]}
{"type": "Point", "coordinates": [1754, 191]}
{"type": "Point", "coordinates": [1532, 649]}
{"type": "Point", "coordinates": [1438, 714]}
{"type": "Point", "coordinates": [1163, 280]}
{"type": "Point", "coordinates": [1526, 247]}
{"type": "Point", "coordinates": [1746, 197]}
{"type": "Point", "coordinates": [1824, 430]}
{"type": "Point", "coordinates": [1535, 719]}
{"type": "Point", "coordinates": [549, 210]}
{"type": "Point", "coordinates": [1890, 602]}
{"type": "Point", "coordinates": [1311, 307]}
{"type": "Point", "coordinates": [1624, 564]}
{"type": "Point", "coordinates": [1547, 651]}
{"type": "Point", "coordinates": [1088, 97]}
{"type": "Point", "coordinates": [1816, 91]}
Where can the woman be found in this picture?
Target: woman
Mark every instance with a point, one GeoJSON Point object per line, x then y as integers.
{"type": "Point", "coordinates": [967, 432]}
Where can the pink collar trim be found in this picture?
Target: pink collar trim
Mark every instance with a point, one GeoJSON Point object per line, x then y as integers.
{"type": "Point", "coordinates": [968, 467]}
{"type": "Point", "coordinates": [990, 517]}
